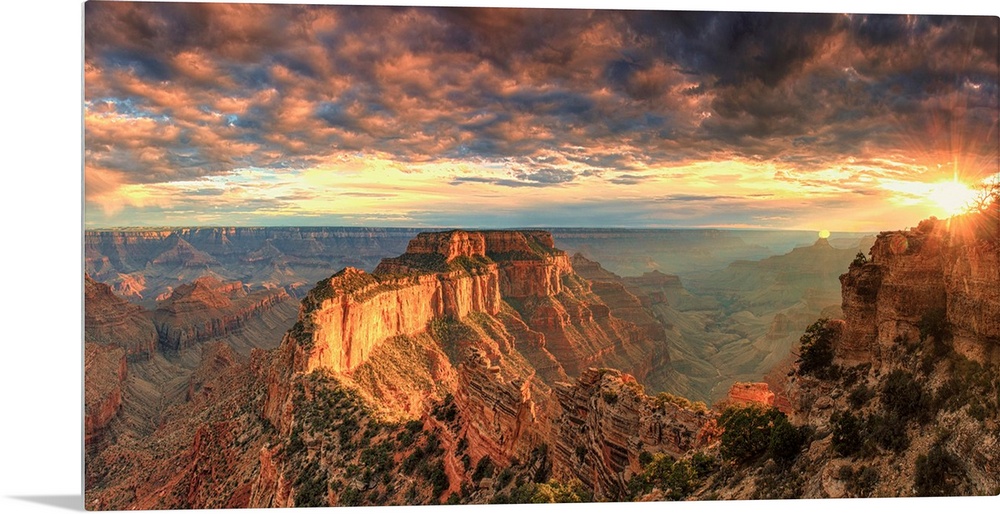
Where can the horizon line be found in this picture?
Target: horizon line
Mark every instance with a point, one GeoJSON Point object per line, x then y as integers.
{"type": "Point", "coordinates": [452, 227]}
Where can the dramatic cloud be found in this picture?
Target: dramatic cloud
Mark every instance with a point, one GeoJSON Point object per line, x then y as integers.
{"type": "Point", "coordinates": [284, 114]}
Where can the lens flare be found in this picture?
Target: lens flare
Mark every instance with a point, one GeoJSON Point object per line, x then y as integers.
{"type": "Point", "coordinates": [952, 197]}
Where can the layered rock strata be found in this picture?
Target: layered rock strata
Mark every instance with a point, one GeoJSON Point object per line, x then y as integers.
{"type": "Point", "coordinates": [502, 417]}
{"type": "Point", "coordinates": [105, 368]}
{"type": "Point", "coordinates": [607, 421]}
{"type": "Point", "coordinates": [750, 393]}
{"type": "Point", "coordinates": [937, 271]}
{"type": "Point", "coordinates": [208, 309]}
{"type": "Point", "coordinates": [110, 320]}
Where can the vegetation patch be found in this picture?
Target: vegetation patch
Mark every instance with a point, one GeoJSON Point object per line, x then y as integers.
{"type": "Point", "coordinates": [816, 351]}
{"type": "Point", "coordinates": [938, 472]}
{"type": "Point", "coordinates": [675, 479]}
{"type": "Point", "coordinates": [753, 432]}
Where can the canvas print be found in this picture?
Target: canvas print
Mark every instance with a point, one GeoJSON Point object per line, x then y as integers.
{"type": "Point", "coordinates": [374, 255]}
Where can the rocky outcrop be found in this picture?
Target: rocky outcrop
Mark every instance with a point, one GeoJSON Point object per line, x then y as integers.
{"type": "Point", "coordinates": [750, 393]}
{"type": "Point", "coordinates": [530, 264]}
{"type": "Point", "coordinates": [105, 370]}
{"type": "Point", "coordinates": [110, 320]}
{"type": "Point", "coordinates": [935, 271]}
{"type": "Point", "coordinates": [502, 419]}
{"type": "Point", "coordinates": [972, 296]}
{"type": "Point", "coordinates": [607, 421]}
{"type": "Point", "coordinates": [449, 245]}
{"type": "Point", "coordinates": [208, 309]}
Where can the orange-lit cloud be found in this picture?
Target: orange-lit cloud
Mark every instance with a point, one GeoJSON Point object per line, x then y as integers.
{"type": "Point", "coordinates": [283, 114]}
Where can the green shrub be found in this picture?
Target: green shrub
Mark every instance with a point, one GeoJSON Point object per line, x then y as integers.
{"type": "Point", "coordinates": [504, 478]}
{"type": "Point", "coordinates": [310, 486]}
{"type": "Point", "coordinates": [676, 479]}
{"type": "Point", "coordinates": [904, 397]}
{"type": "Point", "coordinates": [847, 436]}
{"type": "Point", "coordinates": [816, 350]}
{"type": "Point", "coordinates": [860, 483]}
{"type": "Point", "coordinates": [786, 440]}
{"type": "Point", "coordinates": [938, 473]}
{"type": "Point", "coordinates": [704, 465]}
{"type": "Point", "coordinates": [750, 432]}
{"type": "Point", "coordinates": [484, 469]}
{"type": "Point", "coordinates": [438, 478]}
{"type": "Point", "coordinates": [351, 497]}
{"type": "Point", "coordinates": [860, 395]}
{"type": "Point", "coordinates": [887, 431]}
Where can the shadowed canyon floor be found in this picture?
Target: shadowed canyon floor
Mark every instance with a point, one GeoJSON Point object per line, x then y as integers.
{"type": "Point", "coordinates": [495, 367]}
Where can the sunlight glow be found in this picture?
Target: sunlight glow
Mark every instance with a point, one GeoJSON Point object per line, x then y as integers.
{"type": "Point", "coordinates": [952, 197]}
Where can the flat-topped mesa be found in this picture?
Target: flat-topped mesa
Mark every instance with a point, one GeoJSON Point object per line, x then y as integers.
{"type": "Point", "coordinates": [452, 244]}
{"type": "Point", "coordinates": [529, 263]}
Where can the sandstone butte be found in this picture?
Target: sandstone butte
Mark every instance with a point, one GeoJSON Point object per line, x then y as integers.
{"type": "Point", "coordinates": [487, 345]}
{"type": "Point", "coordinates": [470, 281]}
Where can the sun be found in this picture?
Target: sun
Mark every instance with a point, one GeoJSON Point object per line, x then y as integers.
{"type": "Point", "coordinates": [823, 234]}
{"type": "Point", "coordinates": [952, 197]}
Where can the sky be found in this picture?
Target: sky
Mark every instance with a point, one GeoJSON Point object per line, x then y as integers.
{"type": "Point", "coordinates": [251, 114]}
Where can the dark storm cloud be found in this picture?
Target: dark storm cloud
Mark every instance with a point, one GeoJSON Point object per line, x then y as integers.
{"type": "Point", "coordinates": [208, 88]}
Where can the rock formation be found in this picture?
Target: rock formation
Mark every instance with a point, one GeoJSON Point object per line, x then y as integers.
{"type": "Point", "coordinates": [607, 420]}
{"type": "Point", "coordinates": [105, 368]}
{"type": "Point", "coordinates": [477, 367]}
{"type": "Point", "coordinates": [110, 320]}
{"type": "Point", "coordinates": [913, 277]}
{"type": "Point", "coordinates": [744, 393]}
{"type": "Point", "coordinates": [208, 309]}
{"type": "Point", "coordinates": [147, 262]}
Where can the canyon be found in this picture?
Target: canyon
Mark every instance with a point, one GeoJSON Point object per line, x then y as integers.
{"type": "Point", "coordinates": [492, 366]}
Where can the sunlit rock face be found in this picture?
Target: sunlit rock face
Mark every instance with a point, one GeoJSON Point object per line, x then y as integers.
{"type": "Point", "coordinates": [941, 269]}
{"type": "Point", "coordinates": [750, 393]}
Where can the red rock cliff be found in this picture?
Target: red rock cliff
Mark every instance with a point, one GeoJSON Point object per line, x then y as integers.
{"type": "Point", "coordinates": [941, 267]}
{"type": "Point", "coordinates": [105, 370]}
{"type": "Point", "coordinates": [353, 312]}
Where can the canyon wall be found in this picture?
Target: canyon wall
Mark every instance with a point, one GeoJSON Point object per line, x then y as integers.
{"type": "Point", "coordinates": [144, 264]}
{"type": "Point", "coordinates": [936, 273]}
{"type": "Point", "coordinates": [209, 309]}
{"type": "Point", "coordinates": [607, 420]}
{"type": "Point", "coordinates": [110, 320]}
{"type": "Point", "coordinates": [349, 322]}
{"type": "Point", "coordinates": [105, 368]}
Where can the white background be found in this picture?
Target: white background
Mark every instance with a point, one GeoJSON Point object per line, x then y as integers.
{"type": "Point", "coordinates": [41, 252]}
